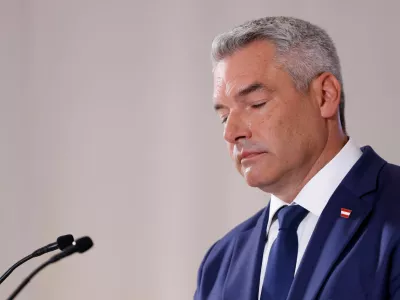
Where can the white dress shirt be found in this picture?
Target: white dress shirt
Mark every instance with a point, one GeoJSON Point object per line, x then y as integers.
{"type": "Point", "coordinates": [313, 197]}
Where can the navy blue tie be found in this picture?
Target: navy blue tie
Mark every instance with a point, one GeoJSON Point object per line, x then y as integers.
{"type": "Point", "coordinates": [283, 255]}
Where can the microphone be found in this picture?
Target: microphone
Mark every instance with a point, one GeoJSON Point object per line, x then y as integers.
{"type": "Point", "coordinates": [62, 242]}
{"type": "Point", "coordinates": [81, 245]}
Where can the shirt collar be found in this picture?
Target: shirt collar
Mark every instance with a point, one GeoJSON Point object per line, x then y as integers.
{"type": "Point", "coordinates": [316, 193]}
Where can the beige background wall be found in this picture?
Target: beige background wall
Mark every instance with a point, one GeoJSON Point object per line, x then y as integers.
{"type": "Point", "coordinates": [107, 130]}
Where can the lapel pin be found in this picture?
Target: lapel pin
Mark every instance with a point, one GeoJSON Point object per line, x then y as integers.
{"type": "Point", "coordinates": [345, 213]}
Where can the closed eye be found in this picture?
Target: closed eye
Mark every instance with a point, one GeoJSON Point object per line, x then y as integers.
{"type": "Point", "coordinates": [258, 105]}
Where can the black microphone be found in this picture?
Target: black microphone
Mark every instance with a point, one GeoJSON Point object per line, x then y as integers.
{"type": "Point", "coordinates": [62, 242]}
{"type": "Point", "coordinates": [81, 245]}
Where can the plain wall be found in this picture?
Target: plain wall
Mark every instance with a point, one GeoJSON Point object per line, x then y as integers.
{"type": "Point", "coordinates": [107, 129]}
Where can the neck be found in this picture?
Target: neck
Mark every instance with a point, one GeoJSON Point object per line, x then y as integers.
{"type": "Point", "coordinates": [299, 179]}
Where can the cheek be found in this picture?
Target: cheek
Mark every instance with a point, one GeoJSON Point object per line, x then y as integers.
{"type": "Point", "coordinates": [267, 128]}
{"type": "Point", "coordinates": [278, 130]}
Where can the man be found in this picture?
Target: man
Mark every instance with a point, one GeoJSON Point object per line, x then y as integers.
{"type": "Point", "coordinates": [332, 227]}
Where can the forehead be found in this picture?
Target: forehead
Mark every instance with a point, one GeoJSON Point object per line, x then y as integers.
{"type": "Point", "coordinates": [248, 64]}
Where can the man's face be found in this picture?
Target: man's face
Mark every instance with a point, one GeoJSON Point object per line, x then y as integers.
{"type": "Point", "coordinates": [272, 130]}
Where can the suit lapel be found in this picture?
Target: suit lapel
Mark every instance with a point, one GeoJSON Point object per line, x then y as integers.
{"type": "Point", "coordinates": [329, 239]}
{"type": "Point", "coordinates": [333, 232]}
{"type": "Point", "coordinates": [244, 273]}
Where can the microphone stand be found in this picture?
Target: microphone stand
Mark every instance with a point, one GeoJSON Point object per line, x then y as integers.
{"type": "Point", "coordinates": [29, 278]}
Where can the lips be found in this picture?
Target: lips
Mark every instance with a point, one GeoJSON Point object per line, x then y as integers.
{"type": "Point", "coordinates": [248, 155]}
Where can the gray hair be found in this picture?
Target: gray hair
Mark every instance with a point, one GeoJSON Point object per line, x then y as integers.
{"type": "Point", "coordinates": [304, 50]}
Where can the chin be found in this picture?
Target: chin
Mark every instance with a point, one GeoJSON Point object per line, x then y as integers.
{"type": "Point", "coordinates": [254, 184]}
{"type": "Point", "coordinates": [258, 178]}
{"type": "Point", "coordinates": [255, 180]}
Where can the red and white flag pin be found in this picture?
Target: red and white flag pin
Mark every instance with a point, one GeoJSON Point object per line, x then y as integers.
{"type": "Point", "coordinates": [345, 213]}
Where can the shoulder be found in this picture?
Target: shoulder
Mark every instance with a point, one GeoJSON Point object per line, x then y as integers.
{"type": "Point", "coordinates": [231, 236]}
{"type": "Point", "coordinates": [215, 264]}
{"type": "Point", "coordinates": [391, 171]}
{"type": "Point", "coordinates": [221, 250]}
{"type": "Point", "coordinates": [389, 206]}
{"type": "Point", "coordinates": [389, 185]}
{"type": "Point", "coordinates": [387, 197]}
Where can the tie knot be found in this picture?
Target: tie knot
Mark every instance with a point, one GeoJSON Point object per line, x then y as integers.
{"type": "Point", "coordinates": [290, 217]}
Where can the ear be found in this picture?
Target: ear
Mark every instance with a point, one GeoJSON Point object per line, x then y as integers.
{"type": "Point", "coordinates": [327, 89]}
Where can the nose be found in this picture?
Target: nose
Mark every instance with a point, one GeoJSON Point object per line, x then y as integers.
{"type": "Point", "coordinates": [236, 127]}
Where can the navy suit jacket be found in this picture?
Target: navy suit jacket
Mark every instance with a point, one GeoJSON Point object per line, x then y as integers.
{"type": "Point", "coordinates": [356, 258]}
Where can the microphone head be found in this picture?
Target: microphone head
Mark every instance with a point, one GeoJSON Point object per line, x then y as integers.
{"type": "Point", "coordinates": [64, 241]}
{"type": "Point", "coordinates": [83, 244]}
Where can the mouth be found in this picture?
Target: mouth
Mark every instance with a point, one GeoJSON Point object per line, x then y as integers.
{"type": "Point", "coordinates": [250, 156]}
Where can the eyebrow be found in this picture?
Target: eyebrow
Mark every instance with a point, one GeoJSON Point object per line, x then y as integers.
{"type": "Point", "coordinates": [256, 86]}
{"type": "Point", "coordinates": [253, 87]}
